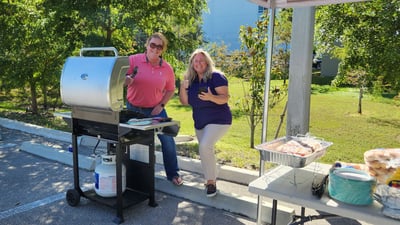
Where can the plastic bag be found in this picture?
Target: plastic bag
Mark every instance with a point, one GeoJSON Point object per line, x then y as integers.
{"type": "Point", "coordinates": [382, 162]}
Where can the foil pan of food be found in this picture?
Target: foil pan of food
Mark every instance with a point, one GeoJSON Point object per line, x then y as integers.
{"type": "Point", "coordinates": [293, 151]}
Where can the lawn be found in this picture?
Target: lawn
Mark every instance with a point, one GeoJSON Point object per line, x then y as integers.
{"type": "Point", "coordinates": [333, 117]}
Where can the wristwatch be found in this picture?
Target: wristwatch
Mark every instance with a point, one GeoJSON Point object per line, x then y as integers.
{"type": "Point", "coordinates": [162, 105]}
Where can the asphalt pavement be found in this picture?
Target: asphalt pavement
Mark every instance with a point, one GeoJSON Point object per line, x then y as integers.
{"type": "Point", "coordinates": [33, 192]}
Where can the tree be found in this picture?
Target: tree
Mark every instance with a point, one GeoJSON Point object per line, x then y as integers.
{"type": "Point", "coordinates": [253, 58]}
{"type": "Point", "coordinates": [282, 37]}
{"type": "Point", "coordinates": [363, 36]}
{"type": "Point", "coordinates": [358, 77]}
{"type": "Point", "coordinates": [126, 24]}
{"type": "Point", "coordinates": [38, 35]}
{"type": "Point", "coordinates": [253, 43]}
{"type": "Point", "coordinates": [32, 48]}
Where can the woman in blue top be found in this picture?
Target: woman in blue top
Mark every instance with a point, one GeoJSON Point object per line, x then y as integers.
{"type": "Point", "coordinates": [205, 89]}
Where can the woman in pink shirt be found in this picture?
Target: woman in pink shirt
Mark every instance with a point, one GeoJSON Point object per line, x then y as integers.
{"type": "Point", "coordinates": [150, 84]}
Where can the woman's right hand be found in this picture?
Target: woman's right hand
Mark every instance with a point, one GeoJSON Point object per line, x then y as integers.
{"type": "Point", "coordinates": [183, 95]}
{"type": "Point", "coordinates": [185, 84]}
{"type": "Point", "coordinates": [128, 80]}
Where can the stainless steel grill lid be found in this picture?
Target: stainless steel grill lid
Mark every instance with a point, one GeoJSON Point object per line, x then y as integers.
{"type": "Point", "coordinates": [94, 82]}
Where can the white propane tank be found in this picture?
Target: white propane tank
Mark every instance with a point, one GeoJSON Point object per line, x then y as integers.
{"type": "Point", "coordinates": [105, 177]}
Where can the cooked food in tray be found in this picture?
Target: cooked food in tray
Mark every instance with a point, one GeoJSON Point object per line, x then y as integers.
{"type": "Point", "coordinates": [301, 146]}
{"type": "Point", "coordinates": [296, 152]}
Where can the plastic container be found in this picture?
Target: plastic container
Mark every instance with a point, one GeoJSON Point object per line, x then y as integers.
{"type": "Point", "coordinates": [105, 179]}
{"type": "Point", "coordinates": [351, 186]}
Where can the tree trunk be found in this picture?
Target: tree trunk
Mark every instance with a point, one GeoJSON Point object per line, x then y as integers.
{"type": "Point", "coordinates": [360, 101]}
{"type": "Point", "coordinates": [252, 128]}
{"type": "Point", "coordinates": [34, 106]}
{"type": "Point", "coordinates": [282, 117]}
{"type": "Point", "coordinates": [45, 99]}
{"type": "Point", "coordinates": [252, 123]}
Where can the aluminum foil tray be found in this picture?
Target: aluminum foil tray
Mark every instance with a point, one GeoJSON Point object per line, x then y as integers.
{"type": "Point", "coordinates": [270, 153]}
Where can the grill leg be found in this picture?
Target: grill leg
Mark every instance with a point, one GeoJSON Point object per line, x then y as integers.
{"type": "Point", "coordinates": [274, 211]}
{"type": "Point", "coordinates": [75, 163]}
{"type": "Point", "coordinates": [120, 217]}
{"type": "Point", "coordinates": [152, 162]}
{"type": "Point", "coordinates": [303, 213]}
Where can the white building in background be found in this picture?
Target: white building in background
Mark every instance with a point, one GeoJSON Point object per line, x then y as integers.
{"type": "Point", "coordinates": [221, 24]}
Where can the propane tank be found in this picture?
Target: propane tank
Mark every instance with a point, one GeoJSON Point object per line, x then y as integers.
{"type": "Point", "coordinates": [105, 178]}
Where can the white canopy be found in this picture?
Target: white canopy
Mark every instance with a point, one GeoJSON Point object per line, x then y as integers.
{"type": "Point", "coordinates": [297, 3]}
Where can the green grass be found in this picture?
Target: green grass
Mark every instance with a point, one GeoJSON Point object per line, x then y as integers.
{"type": "Point", "coordinates": [333, 117]}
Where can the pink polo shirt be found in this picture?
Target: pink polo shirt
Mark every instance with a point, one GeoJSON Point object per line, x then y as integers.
{"type": "Point", "coordinates": [150, 82]}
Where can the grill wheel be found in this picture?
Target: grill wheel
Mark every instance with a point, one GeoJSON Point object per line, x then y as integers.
{"type": "Point", "coordinates": [73, 197]}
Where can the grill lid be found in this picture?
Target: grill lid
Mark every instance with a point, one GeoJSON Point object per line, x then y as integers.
{"type": "Point", "coordinates": [93, 81]}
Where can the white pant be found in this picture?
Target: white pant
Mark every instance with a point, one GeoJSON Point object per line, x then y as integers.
{"type": "Point", "coordinates": [207, 138]}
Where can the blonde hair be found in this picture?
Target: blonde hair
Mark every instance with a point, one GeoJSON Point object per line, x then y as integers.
{"type": "Point", "coordinates": [191, 74]}
{"type": "Point", "coordinates": [160, 36]}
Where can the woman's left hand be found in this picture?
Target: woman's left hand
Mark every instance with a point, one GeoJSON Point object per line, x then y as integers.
{"type": "Point", "coordinates": [206, 96]}
{"type": "Point", "coordinates": [157, 110]}
{"type": "Point", "coordinates": [221, 96]}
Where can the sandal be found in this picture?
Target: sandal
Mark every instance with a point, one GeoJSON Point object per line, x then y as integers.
{"type": "Point", "coordinates": [177, 180]}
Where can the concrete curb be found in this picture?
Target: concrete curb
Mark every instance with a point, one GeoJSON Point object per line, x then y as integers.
{"type": "Point", "coordinates": [37, 130]}
{"type": "Point", "coordinates": [58, 155]}
{"type": "Point", "coordinates": [229, 173]}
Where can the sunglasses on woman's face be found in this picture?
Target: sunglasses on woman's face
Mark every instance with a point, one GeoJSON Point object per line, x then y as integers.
{"type": "Point", "coordinates": [153, 46]}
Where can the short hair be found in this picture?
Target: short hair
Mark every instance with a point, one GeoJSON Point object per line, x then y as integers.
{"type": "Point", "coordinates": [160, 36]}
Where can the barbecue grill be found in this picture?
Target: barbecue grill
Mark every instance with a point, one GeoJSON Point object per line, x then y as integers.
{"type": "Point", "coordinates": [93, 87]}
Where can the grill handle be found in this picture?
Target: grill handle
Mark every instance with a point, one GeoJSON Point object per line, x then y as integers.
{"type": "Point", "coordinates": [99, 49]}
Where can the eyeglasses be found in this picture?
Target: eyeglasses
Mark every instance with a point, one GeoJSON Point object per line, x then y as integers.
{"type": "Point", "coordinates": [153, 46]}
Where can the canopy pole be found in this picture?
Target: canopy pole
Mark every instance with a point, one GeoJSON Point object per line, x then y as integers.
{"type": "Point", "coordinates": [300, 71]}
{"type": "Point", "coordinates": [271, 25]}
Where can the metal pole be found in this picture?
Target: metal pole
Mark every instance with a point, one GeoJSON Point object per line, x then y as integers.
{"type": "Point", "coordinates": [268, 72]}
{"type": "Point", "coordinates": [299, 95]}
{"type": "Point", "coordinates": [266, 99]}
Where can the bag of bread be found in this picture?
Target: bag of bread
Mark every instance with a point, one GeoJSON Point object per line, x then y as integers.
{"type": "Point", "coordinates": [382, 162]}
